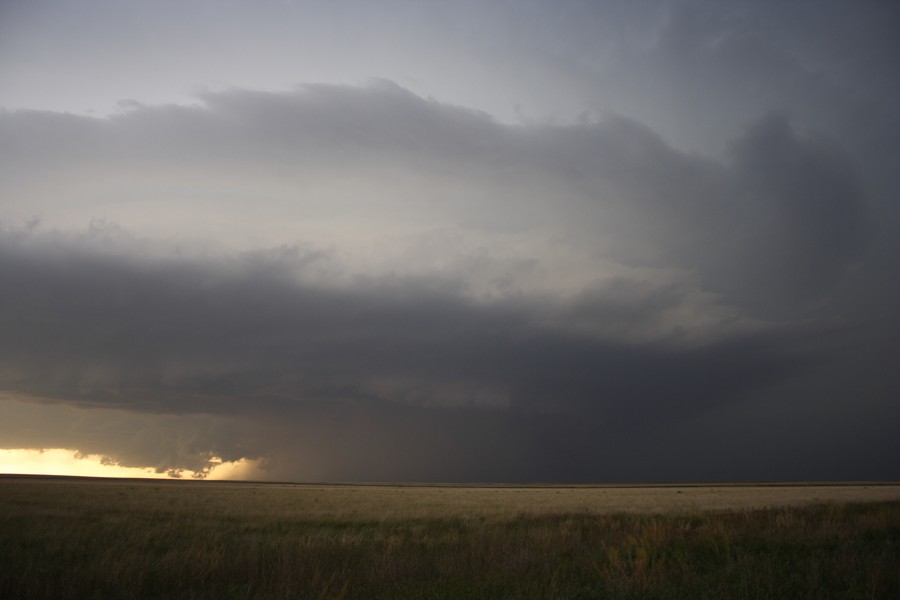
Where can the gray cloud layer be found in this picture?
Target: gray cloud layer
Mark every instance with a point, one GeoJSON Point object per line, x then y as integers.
{"type": "Point", "coordinates": [775, 225]}
{"type": "Point", "coordinates": [357, 282]}
{"type": "Point", "coordinates": [409, 373]}
{"type": "Point", "coordinates": [383, 381]}
{"type": "Point", "coordinates": [240, 336]}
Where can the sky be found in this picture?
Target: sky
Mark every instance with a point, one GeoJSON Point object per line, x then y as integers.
{"type": "Point", "coordinates": [492, 241]}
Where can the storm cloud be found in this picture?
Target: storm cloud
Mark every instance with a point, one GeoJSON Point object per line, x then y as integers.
{"type": "Point", "coordinates": [245, 333]}
{"type": "Point", "coordinates": [365, 282]}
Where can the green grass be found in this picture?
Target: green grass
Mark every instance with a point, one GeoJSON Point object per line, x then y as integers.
{"type": "Point", "coordinates": [122, 540]}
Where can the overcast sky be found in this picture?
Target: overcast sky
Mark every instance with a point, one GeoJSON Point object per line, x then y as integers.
{"type": "Point", "coordinates": [556, 241]}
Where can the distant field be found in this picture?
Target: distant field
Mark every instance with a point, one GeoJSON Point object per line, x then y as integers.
{"type": "Point", "coordinates": [70, 537]}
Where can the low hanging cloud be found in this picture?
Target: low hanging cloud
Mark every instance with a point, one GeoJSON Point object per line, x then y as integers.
{"type": "Point", "coordinates": [377, 282]}
{"type": "Point", "coordinates": [244, 340]}
{"type": "Point", "coordinates": [246, 333]}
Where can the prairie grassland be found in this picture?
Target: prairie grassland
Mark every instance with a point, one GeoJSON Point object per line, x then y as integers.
{"type": "Point", "coordinates": [73, 538]}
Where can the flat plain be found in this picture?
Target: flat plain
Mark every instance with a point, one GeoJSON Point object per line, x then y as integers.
{"type": "Point", "coordinates": [107, 538]}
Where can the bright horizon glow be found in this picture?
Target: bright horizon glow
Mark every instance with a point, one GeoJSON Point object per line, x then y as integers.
{"type": "Point", "coordinates": [63, 461]}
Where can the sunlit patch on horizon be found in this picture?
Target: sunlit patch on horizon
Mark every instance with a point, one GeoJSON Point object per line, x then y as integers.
{"type": "Point", "coordinates": [62, 461]}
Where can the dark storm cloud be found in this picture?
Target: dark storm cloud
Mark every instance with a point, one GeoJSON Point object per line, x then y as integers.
{"type": "Point", "coordinates": [724, 276]}
{"type": "Point", "coordinates": [388, 379]}
{"type": "Point", "coordinates": [241, 336]}
{"type": "Point", "coordinates": [801, 216]}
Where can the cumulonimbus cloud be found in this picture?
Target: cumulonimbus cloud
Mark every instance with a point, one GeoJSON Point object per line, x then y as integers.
{"type": "Point", "coordinates": [431, 266]}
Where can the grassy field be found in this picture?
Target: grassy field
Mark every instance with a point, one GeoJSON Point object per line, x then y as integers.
{"type": "Point", "coordinates": [77, 538]}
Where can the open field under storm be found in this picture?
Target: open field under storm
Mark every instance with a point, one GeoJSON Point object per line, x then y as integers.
{"type": "Point", "coordinates": [70, 537]}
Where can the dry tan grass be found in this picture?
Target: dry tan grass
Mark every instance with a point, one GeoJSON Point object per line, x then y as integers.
{"type": "Point", "coordinates": [366, 502]}
{"type": "Point", "coordinates": [76, 538]}
{"type": "Point", "coordinates": [379, 502]}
